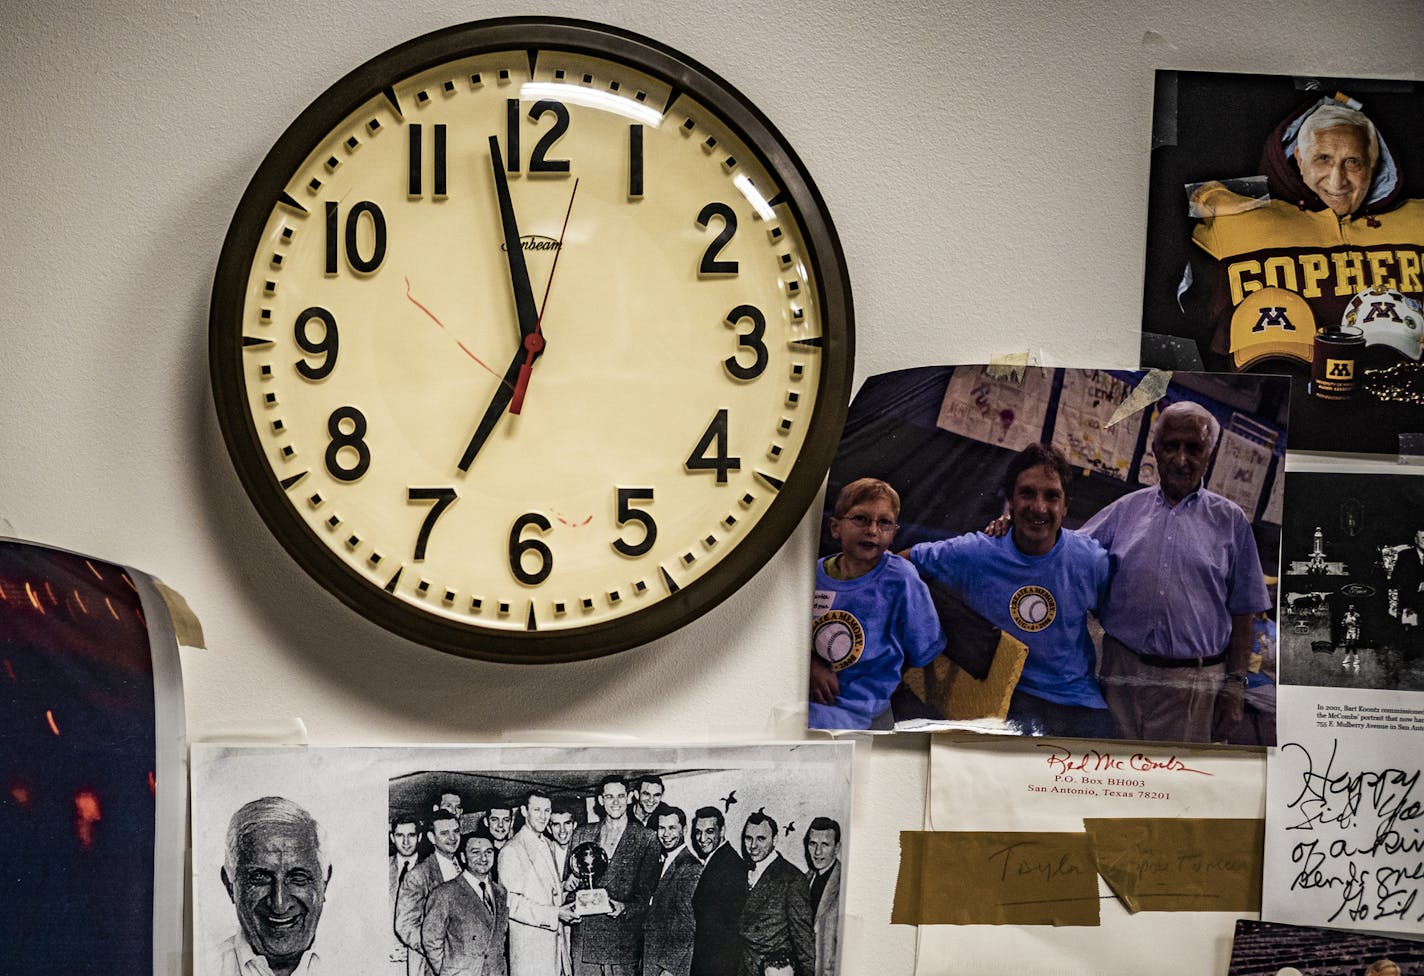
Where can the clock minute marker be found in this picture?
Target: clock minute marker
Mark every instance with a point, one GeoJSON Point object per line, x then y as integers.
{"type": "Point", "coordinates": [286, 200]}
{"type": "Point", "coordinates": [391, 97]}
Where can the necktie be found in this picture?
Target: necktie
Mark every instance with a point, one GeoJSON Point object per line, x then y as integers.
{"type": "Point", "coordinates": [485, 894]}
{"type": "Point", "coordinates": [404, 868]}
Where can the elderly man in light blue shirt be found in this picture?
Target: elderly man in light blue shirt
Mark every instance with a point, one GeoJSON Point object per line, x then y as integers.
{"type": "Point", "coordinates": [1186, 583]}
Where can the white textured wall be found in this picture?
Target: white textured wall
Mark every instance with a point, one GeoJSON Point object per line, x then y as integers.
{"type": "Point", "coordinates": [987, 169]}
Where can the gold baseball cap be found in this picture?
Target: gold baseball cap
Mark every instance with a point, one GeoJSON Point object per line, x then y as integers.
{"type": "Point", "coordinates": [1272, 323]}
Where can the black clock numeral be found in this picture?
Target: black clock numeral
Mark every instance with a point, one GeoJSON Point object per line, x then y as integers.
{"type": "Point", "coordinates": [714, 437]}
{"type": "Point", "coordinates": [443, 499]}
{"type": "Point", "coordinates": [751, 340]}
{"type": "Point", "coordinates": [635, 160]}
{"type": "Point", "coordinates": [364, 265]}
{"type": "Point", "coordinates": [711, 265]}
{"type": "Point", "coordinates": [627, 513]}
{"type": "Point", "coordinates": [437, 162]}
{"type": "Point", "coordinates": [511, 135]}
{"type": "Point", "coordinates": [355, 439]}
{"type": "Point", "coordinates": [326, 346]}
{"type": "Point", "coordinates": [538, 160]}
{"type": "Point", "coordinates": [518, 547]}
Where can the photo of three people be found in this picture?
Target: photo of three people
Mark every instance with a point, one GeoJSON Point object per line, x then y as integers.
{"type": "Point", "coordinates": [1118, 547]}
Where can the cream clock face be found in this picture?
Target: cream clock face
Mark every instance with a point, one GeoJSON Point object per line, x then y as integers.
{"type": "Point", "coordinates": [531, 340]}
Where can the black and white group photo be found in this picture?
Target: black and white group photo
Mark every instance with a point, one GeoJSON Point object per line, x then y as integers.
{"type": "Point", "coordinates": [1353, 560]}
{"type": "Point", "coordinates": [647, 867]}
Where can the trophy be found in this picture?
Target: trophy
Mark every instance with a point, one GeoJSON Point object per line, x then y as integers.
{"type": "Point", "coordinates": [590, 864]}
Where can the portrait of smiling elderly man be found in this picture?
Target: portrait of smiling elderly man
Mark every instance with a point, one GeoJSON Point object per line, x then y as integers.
{"type": "Point", "coordinates": [1280, 206]}
{"type": "Point", "coordinates": [276, 876]}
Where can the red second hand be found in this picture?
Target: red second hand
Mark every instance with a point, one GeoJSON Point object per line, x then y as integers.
{"type": "Point", "coordinates": [534, 343]}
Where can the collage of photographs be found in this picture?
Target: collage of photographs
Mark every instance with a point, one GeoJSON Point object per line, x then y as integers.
{"type": "Point", "coordinates": [1138, 651]}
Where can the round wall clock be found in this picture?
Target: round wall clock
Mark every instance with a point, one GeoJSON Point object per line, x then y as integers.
{"type": "Point", "coordinates": [531, 340]}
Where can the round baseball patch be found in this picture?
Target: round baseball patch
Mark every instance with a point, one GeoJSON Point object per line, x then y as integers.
{"type": "Point", "coordinates": [838, 639]}
{"type": "Point", "coordinates": [1033, 608]}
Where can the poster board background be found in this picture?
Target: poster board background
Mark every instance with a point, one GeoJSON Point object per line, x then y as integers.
{"type": "Point", "coordinates": [987, 169]}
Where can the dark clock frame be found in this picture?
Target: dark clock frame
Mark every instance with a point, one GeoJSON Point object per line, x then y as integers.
{"type": "Point", "coordinates": [225, 350]}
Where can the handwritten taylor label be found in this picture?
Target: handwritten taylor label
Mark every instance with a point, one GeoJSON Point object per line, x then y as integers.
{"type": "Point", "coordinates": [995, 878]}
{"type": "Point", "coordinates": [1345, 842]}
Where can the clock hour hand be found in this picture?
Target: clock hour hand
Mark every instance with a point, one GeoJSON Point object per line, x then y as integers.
{"type": "Point", "coordinates": [503, 393]}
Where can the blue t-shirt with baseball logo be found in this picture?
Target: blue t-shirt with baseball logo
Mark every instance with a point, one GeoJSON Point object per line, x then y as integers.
{"type": "Point", "coordinates": [869, 629]}
{"type": "Point", "coordinates": [1043, 601]}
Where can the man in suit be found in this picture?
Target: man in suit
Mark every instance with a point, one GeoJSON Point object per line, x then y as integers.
{"type": "Point", "coordinates": [776, 919]}
{"type": "Point", "coordinates": [649, 796]}
{"type": "Point", "coordinates": [405, 840]}
{"type": "Point", "coordinates": [823, 884]}
{"type": "Point", "coordinates": [500, 821]}
{"type": "Point", "coordinates": [667, 936]}
{"type": "Point", "coordinates": [717, 900]}
{"type": "Point", "coordinates": [537, 915]}
{"type": "Point", "coordinates": [610, 945]}
{"type": "Point", "coordinates": [561, 830]}
{"type": "Point", "coordinates": [420, 881]}
{"type": "Point", "coordinates": [1408, 578]}
{"type": "Point", "coordinates": [467, 919]}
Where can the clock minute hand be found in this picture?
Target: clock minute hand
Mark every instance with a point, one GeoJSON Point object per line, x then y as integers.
{"type": "Point", "coordinates": [513, 248]}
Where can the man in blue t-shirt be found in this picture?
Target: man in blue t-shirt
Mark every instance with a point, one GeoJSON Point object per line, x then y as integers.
{"type": "Point", "coordinates": [1038, 584]}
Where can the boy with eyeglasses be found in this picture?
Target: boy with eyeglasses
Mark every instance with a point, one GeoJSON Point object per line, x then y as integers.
{"type": "Point", "coordinates": [872, 615]}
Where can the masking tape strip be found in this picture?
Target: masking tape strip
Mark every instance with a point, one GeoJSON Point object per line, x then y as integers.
{"type": "Point", "coordinates": [186, 627]}
{"type": "Point", "coordinates": [995, 878]}
{"type": "Point", "coordinates": [1010, 366]}
{"type": "Point", "coordinates": [1152, 388]}
{"type": "Point", "coordinates": [1180, 864]}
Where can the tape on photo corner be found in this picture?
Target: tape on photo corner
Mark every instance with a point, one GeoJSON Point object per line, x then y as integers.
{"type": "Point", "coordinates": [1152, 388]}
{"type": "Point", "coordinates": [186, 627]}
{"type": "Point", "coordinates": [1009, 366]}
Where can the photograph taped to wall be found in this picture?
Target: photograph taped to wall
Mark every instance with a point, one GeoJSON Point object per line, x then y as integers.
{"type": "Point", "coordinates": [1352, 550]}
{"type": "Point", "coordinates": [1317, 269]}
{"type": "Point", "coordinates": [1341, 792]}
{"type": "Point", "coordinates": [92, 766]}
{"type": "Point", "coordinates": [422, 860]}
{"type": "Point", "coordinates": [1273, 949]}
{"type": "Point", "coordinates": [1122, 599]}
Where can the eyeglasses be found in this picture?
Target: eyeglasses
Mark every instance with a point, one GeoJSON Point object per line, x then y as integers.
{"type": "Point", "coordinates": [864, 522]}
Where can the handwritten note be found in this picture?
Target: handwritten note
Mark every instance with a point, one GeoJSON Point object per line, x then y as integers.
{"type": "Point", "coordinates": [995, 878]}
{"type": "Point", "coordinates": [1008, 785]}
{"type": "Point", "coordinates": [1345, 812]}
